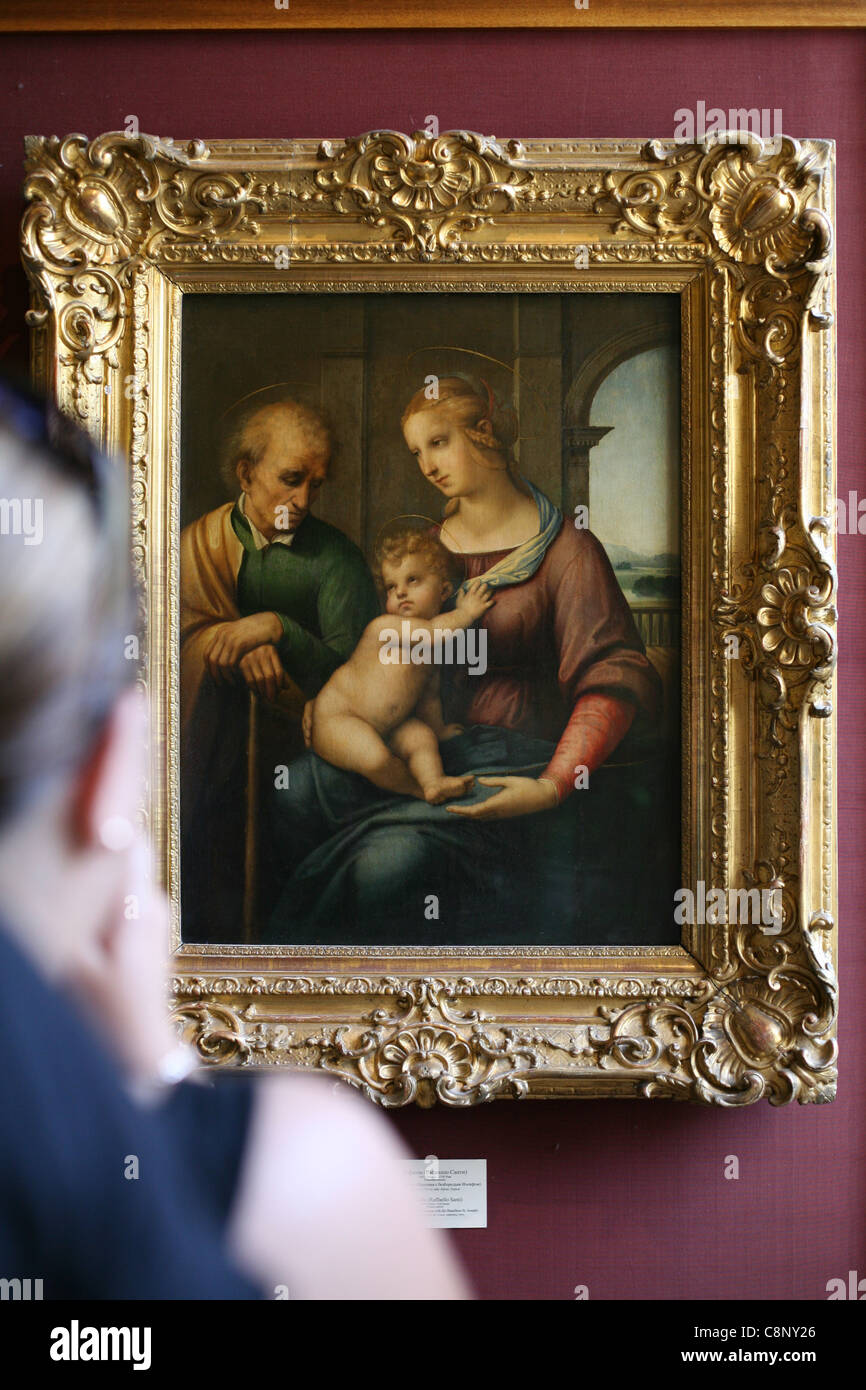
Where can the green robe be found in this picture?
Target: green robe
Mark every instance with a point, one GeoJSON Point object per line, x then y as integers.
{"type": "Point", "coordinates": [321, 590]}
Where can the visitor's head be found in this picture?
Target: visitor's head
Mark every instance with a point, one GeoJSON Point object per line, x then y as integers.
{"type": "Point", "coordinates": [278, 457]}
{"type": "Point", "coordinates": [72, 731]}
{"type": "Point", "coordinates": [415, 573]}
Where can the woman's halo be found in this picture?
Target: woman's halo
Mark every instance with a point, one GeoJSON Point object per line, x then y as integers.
{"type": "Point", "coordinates": [483, 357]}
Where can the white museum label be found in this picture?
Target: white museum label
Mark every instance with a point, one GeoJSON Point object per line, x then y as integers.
{"type": "Point", "coordinates": [453, 1191]}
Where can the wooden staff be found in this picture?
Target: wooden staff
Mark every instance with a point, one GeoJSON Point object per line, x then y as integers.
{"type": "Point", "coordinates": [252, 833]}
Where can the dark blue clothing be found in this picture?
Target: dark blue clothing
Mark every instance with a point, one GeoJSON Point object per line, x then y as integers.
{"type": "Point", "coordinates": [365, 867]}
{"type": "Point", "coordinates": [68, 1130]}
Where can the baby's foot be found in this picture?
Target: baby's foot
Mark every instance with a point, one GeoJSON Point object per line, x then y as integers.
{"type": "Point", "coordinates": [451, 731]}
{"type": "Point", "coordinates": [447, 788]}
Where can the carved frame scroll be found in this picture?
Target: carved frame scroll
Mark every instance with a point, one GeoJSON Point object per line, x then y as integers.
{"type": "Point", "coordinates": [117, 229]}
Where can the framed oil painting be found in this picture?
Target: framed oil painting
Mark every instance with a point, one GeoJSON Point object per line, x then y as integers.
{"type": "Point", "coordinates": [480, 494]}
{"type": "Point", "coordinates": [576, 617]}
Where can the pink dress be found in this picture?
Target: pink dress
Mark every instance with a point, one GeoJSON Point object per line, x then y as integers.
{"type": "Point", "coordinates": [554, 639]}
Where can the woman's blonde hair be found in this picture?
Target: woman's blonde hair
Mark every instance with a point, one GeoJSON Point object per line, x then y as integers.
{"type": "Point", "coordinates": [469, 401]}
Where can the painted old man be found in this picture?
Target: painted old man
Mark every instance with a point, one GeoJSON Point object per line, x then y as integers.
{"type": "Point", "coordinates": [273, 600]}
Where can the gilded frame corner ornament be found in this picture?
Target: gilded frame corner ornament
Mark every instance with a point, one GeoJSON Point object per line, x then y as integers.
{"type": "Point", "coordinates": [118, 228]}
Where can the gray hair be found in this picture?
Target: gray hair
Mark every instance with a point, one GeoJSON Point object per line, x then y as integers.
{"type": "Point", "coordinates": [69, 635]}
{"type": "Point", "coordinates": [249, 437]}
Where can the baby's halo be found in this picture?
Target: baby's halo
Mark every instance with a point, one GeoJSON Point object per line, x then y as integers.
{"type": "Point", "coordinates": [398, 527]}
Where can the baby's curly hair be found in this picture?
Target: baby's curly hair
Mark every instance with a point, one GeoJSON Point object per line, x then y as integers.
{"type": "Point", "coordinates": [411, 540]}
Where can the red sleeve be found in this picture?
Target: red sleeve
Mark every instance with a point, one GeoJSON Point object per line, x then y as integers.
{"type": "Point", "coordinates": [597, 725]}
{"type": "Point", "coordinates": [604, 674]}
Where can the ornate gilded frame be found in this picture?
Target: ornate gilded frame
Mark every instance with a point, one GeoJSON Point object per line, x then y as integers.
{"type": "Point", "coordinates": [117, 229]}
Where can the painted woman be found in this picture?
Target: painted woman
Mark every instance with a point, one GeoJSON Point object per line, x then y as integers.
{"type": "Point", "coordinates": [556, 845]}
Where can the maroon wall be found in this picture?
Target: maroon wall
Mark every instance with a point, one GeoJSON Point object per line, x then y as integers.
{"type": "Point", "coordinates": [628, 1198]}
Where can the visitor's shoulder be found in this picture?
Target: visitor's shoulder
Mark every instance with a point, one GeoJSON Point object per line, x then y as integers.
{"type": "Point", "coordinates": [67, 1044]}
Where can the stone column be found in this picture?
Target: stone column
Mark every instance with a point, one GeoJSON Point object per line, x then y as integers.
{"type": "Point", "coordinates": [576, 443]}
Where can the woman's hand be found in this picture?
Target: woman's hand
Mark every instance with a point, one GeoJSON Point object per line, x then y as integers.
{"type": "Point", "coordinates": [233, 641]}
{"type": "Point", "coordinates": [520, 796]}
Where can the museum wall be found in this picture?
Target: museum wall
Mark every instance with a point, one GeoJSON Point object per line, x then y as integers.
{"type": "Point", "coordinates": [627, 1198]}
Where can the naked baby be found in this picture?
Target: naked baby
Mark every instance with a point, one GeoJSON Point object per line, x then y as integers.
{"type": "Point", "coordinates": [383, 718]}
